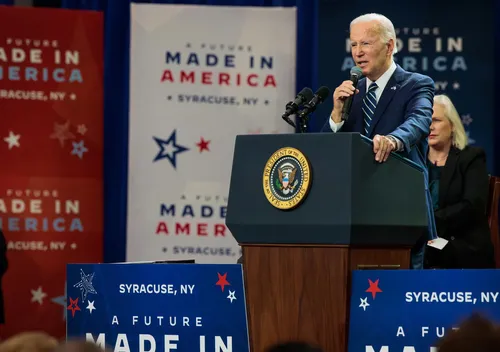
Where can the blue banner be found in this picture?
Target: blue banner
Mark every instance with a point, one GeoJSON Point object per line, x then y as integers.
{"type": "Point", "coordinates": [391, 310]}
{"type": "Point", "coordinates": [432, 41]}
{"type": "Point", "coordinates": [158, 307]}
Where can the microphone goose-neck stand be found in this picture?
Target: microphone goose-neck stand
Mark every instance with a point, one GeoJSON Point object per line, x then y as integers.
{"type": "Point", "coordinates": [303, 121]}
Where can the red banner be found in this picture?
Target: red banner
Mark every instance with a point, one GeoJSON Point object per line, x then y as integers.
{"type": "Point", "coordinates": [51, 147]}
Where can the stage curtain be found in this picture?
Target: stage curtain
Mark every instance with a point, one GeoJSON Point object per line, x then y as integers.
{"type": "Point", "coordinates": [496, 123]}
{"type": "Point", "coordinates": [116, 99]}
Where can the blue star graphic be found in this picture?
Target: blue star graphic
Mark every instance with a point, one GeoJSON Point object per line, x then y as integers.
{"type": "Point", "coordinates": [79, 149]}
{"type": "Point", "coordinates": [61, 300]}
{"type": "Point", "coordinates": [471, 141]}
{"type": "Point", "coordinates": [170, 155]}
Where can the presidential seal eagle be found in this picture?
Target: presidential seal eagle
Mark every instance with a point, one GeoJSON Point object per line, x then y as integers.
{"type": "Point", "coordinates": [286, 176]}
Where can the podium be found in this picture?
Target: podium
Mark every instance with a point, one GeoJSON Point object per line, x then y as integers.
{"type": "Point", "coordinates": [308, 209]}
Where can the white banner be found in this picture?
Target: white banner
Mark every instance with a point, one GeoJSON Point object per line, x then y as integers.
{"type": "Point", "coordinates": [200, 75]}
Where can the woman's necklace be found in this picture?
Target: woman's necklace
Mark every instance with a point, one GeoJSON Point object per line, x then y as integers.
{"type": "Point", "coordinates": [437, 162]}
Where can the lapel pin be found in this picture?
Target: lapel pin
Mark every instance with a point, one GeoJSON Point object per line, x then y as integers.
{"type": "Point", "coordinates": [393, 87]}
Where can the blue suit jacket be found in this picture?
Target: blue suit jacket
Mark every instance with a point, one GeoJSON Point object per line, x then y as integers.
{"type": "Point", "coordinates": [404, 111]}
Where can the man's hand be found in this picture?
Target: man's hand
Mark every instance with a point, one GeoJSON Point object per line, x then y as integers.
{"type": "Point", "coordinates": [341, 93]}
{"type": "Point", "coordinates": [382, 147]}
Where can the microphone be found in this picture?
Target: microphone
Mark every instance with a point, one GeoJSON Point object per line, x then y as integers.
{"type": "Point", "coordinates": [303, 96]}
{"type": "Point", "coordinates": [321, 94]}
{"type": "Point", "coordinates": [356, 74]}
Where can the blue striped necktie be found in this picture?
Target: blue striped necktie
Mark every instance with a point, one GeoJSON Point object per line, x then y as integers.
{"type": "Point", "coordinates": [369, 105]}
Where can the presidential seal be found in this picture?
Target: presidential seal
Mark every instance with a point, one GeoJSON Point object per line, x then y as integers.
{"type": "Point", "coordinates": [286, 180]}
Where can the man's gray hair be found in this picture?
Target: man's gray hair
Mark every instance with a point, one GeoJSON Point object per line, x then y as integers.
{"type": "Point", "coordinates": [385, 27]}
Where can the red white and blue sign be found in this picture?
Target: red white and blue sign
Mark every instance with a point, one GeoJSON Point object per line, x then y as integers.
{"type": "Point", "coordinates": [51, 146]}
{"type": "Point", "coordinates": [410, 310]}
{"type": "Point", "coordinates": [190, 96]}
{"type": "Point", "coordinates": [158, 307]}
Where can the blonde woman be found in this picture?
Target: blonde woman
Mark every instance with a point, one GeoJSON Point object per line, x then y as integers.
{"type": "Point", "coordinates": [458, 181]}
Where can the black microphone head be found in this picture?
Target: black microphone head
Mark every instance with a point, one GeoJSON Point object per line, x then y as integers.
{"type": "Point", "coordinates": [323, 93]}
{"type": "Point", "coordinates": [356, 71]}
{"type": "Point", "coordinates": [306, 93]}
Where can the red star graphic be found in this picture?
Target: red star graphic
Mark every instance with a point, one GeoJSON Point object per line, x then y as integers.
{"type": "Point", "coordinates": [203, 145]}
{"type": "Point", "coordinates": [73, 306]}
{"type": "Point", "coordinates": [373, 288]}
{"type": "Point", "coordinates": [257, 131]}
{"type": "Point", "coordinates": [62, 133]}
{"type": "Point", "coordinates": [222, 281]}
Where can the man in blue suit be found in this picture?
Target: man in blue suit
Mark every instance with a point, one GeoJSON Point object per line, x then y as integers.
{"type": "Point", "coordinates": [390, 105]}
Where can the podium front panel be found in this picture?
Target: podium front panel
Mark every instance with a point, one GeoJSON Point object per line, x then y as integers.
{"type": "Point", "coordinates": [350, 198]}
{"type": "Point", "coordinates": [325, 209]}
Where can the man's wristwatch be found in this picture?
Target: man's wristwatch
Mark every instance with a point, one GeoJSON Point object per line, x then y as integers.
{"type": "Point", "coordinates": [393, 141]}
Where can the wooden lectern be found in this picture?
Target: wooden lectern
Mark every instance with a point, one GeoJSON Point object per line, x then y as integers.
{"type": "Point", "coordinates": [349, 213]}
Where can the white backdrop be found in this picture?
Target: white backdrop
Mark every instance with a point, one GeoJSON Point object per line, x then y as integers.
{"type": "Point", "coordinates": [200, 75]}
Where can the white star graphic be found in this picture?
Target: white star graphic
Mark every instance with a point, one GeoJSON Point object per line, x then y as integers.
{"type": "Point", "coordinates": [72, 96]}
{"type": "Point", "coordinates": [90, 306]}
{"type": "Point", "coordinates": [456, 85]}
{"type": "Point", "coordinates": [85, 284]}
{"type": "Point", "coordinates": [73, 246]}
{"type": "Point", "coordinates": [231, 295]}
{"type": "Point", "coordinates": [61, 300]}
{"type": "Point", "coordinates": [364, 303]}
{"type": "Point", "coordinates": [12, 140]}
{"type": "Point", "coordinates": [38, 295]}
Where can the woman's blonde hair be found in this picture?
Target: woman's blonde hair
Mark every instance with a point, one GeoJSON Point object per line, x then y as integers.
{"type": "Point", "coordinates": [459, 137]}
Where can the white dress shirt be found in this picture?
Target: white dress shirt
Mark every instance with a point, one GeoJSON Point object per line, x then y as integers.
{"type": "Point", "coordinates": [381, 83]}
